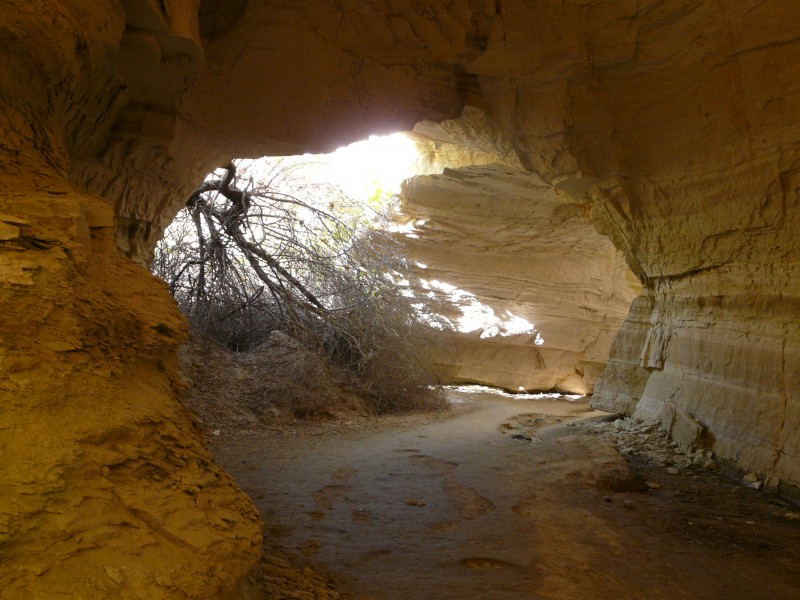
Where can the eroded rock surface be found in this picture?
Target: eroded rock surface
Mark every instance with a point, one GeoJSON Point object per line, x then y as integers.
{"type": "Point", "coordinates": [107, 489]}
{"type": "Point", "coordinates": [675, 122]}
{"type": "Point", "coordinates": [517, 250]}
{"type": "Point", "coordinates": [107, 486]}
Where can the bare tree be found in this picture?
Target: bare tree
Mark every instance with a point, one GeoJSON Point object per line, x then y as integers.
{"type": "Point", "coordinates": [244, 259]}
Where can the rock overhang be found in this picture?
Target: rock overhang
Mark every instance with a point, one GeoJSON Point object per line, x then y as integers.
{"type": "Point", "coordinates": [677, 121]}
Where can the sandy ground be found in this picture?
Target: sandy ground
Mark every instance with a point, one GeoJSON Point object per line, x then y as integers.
{"type": "Point", "coordinates": [455, 507]}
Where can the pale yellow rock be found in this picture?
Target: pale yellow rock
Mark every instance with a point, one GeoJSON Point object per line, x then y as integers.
{"type": "Point", "coordinates": [672, 126]}
{"type": "Point", "coordinates": [522, 251]}
{"type": "Point", "coordinates": [14, 220]}
{"type": "Point", "coordinates": [59, 345]}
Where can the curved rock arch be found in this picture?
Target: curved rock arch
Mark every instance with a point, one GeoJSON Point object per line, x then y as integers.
{"type": "Point", "coordinates": [676, 123]}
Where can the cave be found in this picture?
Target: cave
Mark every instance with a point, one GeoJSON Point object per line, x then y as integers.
{"type": "Point", "coordinates": [664, 133]}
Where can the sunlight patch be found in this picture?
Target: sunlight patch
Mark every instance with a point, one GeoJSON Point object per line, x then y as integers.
{"type": "Point", "coordinates": [482, 389]}
{"type": "Point", "coordinates": [475, 315]}
{"type": "Point", "coordinates": [370, 171]}
{"type": "Point", "coordinates": [378, 165]}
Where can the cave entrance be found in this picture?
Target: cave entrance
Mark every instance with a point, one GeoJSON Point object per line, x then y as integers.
{"type": "Point", "coordinates": [330, 295]}
{"type": "Point", "coordinates": [312, 255]}
{"type": "Point", "coordinates": [473, 267]}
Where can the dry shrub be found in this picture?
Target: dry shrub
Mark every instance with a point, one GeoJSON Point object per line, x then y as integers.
{"type": "Point", "coordinates": [279, 382]}
{"type": "Point", "coordinates": [259, 270]}
{"type": "Point", "coordinates": [300, 381]}
{"type": "Point", "coordinates": [388, 357]}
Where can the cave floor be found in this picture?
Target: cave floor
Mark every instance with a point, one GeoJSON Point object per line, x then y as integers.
{"type": "Point", "coordinates": [454, 507]}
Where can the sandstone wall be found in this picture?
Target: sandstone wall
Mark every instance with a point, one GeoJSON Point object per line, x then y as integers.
{"type": "Point", "coordinates": [519, 249]}
{"type": "Point", "coordinates": [677, 121]}
{"type": "Point", "coordinates": [106, 487]}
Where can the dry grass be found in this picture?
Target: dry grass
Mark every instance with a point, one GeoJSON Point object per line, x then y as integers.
{"type": "Point", "coordinates": [280, 384]}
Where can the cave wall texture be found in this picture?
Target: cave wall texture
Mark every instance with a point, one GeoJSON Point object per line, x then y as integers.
{"type": "Point", "coordinates": [515, 248]}
{"type": "Point", "coordinates": [672, 123]}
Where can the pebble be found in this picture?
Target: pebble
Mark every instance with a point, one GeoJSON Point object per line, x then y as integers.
{"type": "Point", "coordinates": [653, 485]}
{"type": "Point", "coordinates": [646, 440]}
{"type": "Point", "coordinates": [672, 470]}
{"type": "Point", "coordinates": [751, 480]}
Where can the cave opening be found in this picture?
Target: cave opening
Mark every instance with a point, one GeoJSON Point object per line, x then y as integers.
{"type": "Point", "coordinates": [672, 129]}
{"type": "Point", "coordinates": [528, 296]}
{"type": "Point", "coordinates": [259, 233]}
{"type": "Point", "coordinates": [289, 422]}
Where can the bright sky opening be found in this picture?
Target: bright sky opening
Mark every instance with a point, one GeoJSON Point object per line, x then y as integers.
{"type": "Point", "coordinates": [362, 170]}
{"type": "Point", "coordinates": [379, 164]}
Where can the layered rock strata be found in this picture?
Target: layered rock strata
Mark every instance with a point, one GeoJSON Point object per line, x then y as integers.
{"type": "Point", "coordinates": [107, 489]}
{"type": "Point", "coordinates": [539, 293]}
{"type": "Point", "coordinates": [677, 121]}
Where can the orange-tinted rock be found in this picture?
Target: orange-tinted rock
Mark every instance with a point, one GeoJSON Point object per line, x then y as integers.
{"type": "Point", "coordinates": [675, 121]}
{"type": "Point", "coordinates": [107, 489]}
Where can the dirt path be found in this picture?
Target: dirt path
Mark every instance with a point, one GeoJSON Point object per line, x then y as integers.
{"type": "Point", "coordinates": [458, 508]}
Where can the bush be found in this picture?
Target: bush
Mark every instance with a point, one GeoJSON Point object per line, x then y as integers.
{"type": "Point", "coordinates": [243, 261]}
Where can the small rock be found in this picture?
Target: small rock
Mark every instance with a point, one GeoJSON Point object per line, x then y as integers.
{"type": "Point", "coordinates": [792, 516]}
{"type": "Point", "coordinates": [653, 485]}
{"type": "Point", "coordinates": [8, 232]}
{"type": "Point", "coordinates": [114, 574]}
{"type": "Point", "coordinates": [628, 504]}
{"type": "Point", "coordinates": [608, 499]}
{"type": "Point", "coordinates": [750, 478]}
{"type": "Point", "coordinates": [709, 464]}
{"type": "Point", "coordinates": [672, 470]}
{"type": "Point", "coordinates": [415, 502]}
{"type": "Point", "coordinates": [751, 481]}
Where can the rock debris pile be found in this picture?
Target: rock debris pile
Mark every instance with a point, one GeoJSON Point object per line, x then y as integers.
{"type": "Point", "coordinates": [650, 442]}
